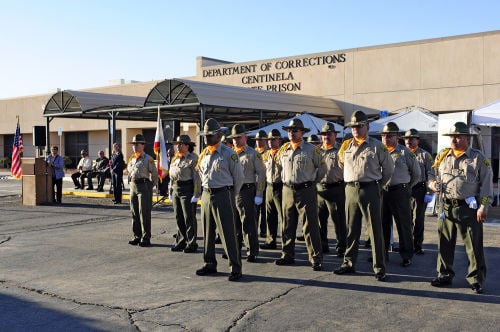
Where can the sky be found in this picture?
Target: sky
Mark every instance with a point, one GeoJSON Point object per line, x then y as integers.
{"type": "Point", "coordinates": [49, 45]}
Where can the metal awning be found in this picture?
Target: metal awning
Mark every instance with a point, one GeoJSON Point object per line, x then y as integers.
{"type": "Point", "coordinates": [192, 101]}
{"type": "Point", "coordinates": [77, 104]}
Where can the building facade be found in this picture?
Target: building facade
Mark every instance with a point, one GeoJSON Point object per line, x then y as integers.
{"type": "Point", "coordinates": [450, 74]}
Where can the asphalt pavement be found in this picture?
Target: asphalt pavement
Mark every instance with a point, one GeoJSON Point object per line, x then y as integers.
{"type": "Point", "coordinates": [69, 267]}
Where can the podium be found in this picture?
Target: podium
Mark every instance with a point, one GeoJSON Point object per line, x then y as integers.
{"type": "Point", "coordinates": [37, 181]}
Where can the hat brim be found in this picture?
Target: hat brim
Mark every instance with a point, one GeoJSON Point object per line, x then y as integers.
{"type": "Point", "coordinates": [306, 130]}
{"type": "Point", "coordinates": [457, 134]}
{"type": "Point", "coordinates": [187, 143]}
{"type": "Point", "coordinates": [389, 132]}
{"type": "Point", "coordinates": [236, 136]}
{"type": "Point", "coordinates": [140, 142]}
{"type": "Point", "coordinates": [411, 136]}
{"type": "Point", "coordinates": [329, 131]}
{"type": "Point", "coordinates": [354, 124]}
{"type": "Point", "coordinates": [213, 132]}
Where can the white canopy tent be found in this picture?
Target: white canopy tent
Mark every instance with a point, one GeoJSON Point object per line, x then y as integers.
{"type": "Point", "coordinates": [309, 121]}
{"type": "Point", "coordinates": [412, 117]}
{"type": "Point", "coordinates": [489, 116]}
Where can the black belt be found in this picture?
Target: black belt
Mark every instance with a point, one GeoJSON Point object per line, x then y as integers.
{"type": "Point", "coordinates": [216, 190]}
{"type": "Point", "coordinates": [455, 202]}
{"type": "Point", "coordinates": [332, 185]}
{"type": "Point", "coordinates": [248, 185]}
{"type": "Point", "coordinates": [397, 186]}
{"type": "Point", "coordinates": [299, 186]}
{"type": "Point", "coordinates": [137, 181]}
{"type": "Point", "coordinates": [276, 185]}
{"type": "Point", "coordinates": [358, 184]}
{"type": "Point", "coordinates": [184, 183]}
{"type": "Point", "coordinates": [420, 184]}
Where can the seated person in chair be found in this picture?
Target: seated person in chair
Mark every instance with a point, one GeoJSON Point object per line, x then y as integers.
{"type": "Point", "coordinates": [84, 170]}
{"type": "Point", "coordinates": [101, 171]}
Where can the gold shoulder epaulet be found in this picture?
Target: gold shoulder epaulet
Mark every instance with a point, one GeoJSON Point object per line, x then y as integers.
{"type": "Point", "coordinates": [343, 147]}
{"type": "Point", "coordinates": [202, 154]}
{"type": "Point", "coordinates": [440, 157]}
{"type": "Point", "coordinates": [281, 150]}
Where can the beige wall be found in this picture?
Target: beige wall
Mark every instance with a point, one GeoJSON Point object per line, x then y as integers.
{"type": "Point", "coordinates": [446, 74]}
{"type": "Point", "coordinates": [441, 75]}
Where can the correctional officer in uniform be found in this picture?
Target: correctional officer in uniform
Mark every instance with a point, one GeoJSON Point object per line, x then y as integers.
{"type": "Point", "coordinates": [302, 167]}
{"type": "Point", "coordinates": [314, 139]}
{"type": "Point", "coordinates": [464, 181]}
{"type": "Point", "coordinates": [331, 194]}
{"type": "Point", "coordinates": [221, 177]}
{"type": "Point", "coordinates": [185, 190]}
{"type": "Point", "coordinates": [143, 176]}
{"type": "Point", "coordinates": [260, 216]}
{"type": "Point", "coordinates": [397, 193]}
{"type": "Point", "coordinates": [419, 196]}
{"type": "Point", "coordinates": [367, 166]}
{"type": "Point", "coordinates": [251, 193]}
{"type": "Point", "coordinates": [274, 187]}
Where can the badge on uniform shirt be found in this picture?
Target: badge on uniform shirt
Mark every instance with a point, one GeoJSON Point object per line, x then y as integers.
{"type": "Point", "coordinates": [234, 157]}
{"type": "Point", "coordinates": [486, 161]}
{"type": "Point", "coordinates": [259, 156]}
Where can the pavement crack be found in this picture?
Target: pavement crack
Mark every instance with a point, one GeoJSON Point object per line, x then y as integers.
{"type": "Point", "coordinates": [5, 240]}
{"type": "Point", "coordinates": [272, 299]}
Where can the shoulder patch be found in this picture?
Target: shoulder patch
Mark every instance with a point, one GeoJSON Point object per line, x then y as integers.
{"type": "Point", "coordinates": [234, 157]}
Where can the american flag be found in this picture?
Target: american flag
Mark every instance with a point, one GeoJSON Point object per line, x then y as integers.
{"type": "Point", "coordinates": [17, 149]}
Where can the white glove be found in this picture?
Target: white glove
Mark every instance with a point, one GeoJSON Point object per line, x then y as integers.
{"type": "Point", "coordinates": [170, 197]}
{"type": "Point", "coordinates": [257, 200]}
{"type": "Point", "coordinates": [428, 198]}
{"type": "Point", "coordinates": [194, 199]}
{"type": "Point", "coordinates": [472, 202]}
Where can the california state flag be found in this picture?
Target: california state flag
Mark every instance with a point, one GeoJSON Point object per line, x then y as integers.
{"type": "Point", "coordinates": [160, 150]}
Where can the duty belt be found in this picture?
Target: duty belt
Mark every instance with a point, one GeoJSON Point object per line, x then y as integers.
{"type": "Point", "coordinates": [137, 181]}
{"type": "Point", "coordinates": [184, 183]}
{"type": "Point", "coordinates": [217, 190]}
{"type": "Point", "coordinates": [358, 184]}
{"type": "Point", "coordinates": [455, 202]}
{"type": "Point", "coordinates": [397, 186]}
{"type": "Point", "coordinates": [420, 184]}
{"type": "Point", "coordinates": [248, 185]}
{"type": "Point", "coordinates": [299, 186]}
{"type": "Point", "coordinates": [332, 185]}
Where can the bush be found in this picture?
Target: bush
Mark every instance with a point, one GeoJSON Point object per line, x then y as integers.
{"type": "Point", "coordinates": [68, 163]}
{"type": "Point", "coordinates": [5, 162]}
